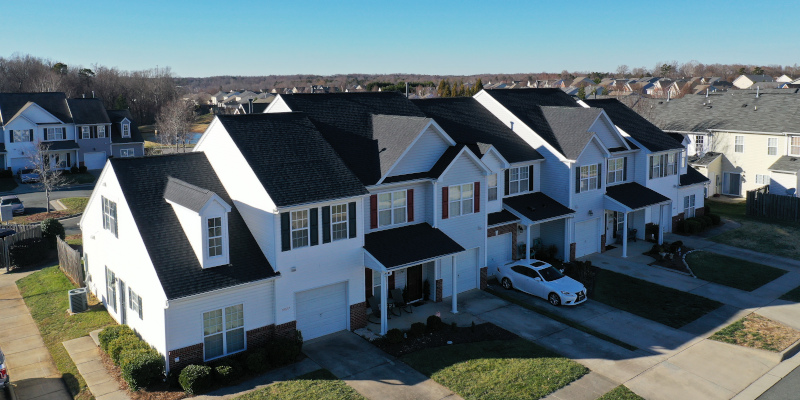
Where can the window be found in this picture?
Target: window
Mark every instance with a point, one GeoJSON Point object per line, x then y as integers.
{"type": "Point", "coordinates": [461, 199]}
{"type": "Point", "coordinates": [772, 146]}
{"type": "Point", "coordinates": [620, 218]}
{"type": "Point", "coordinates": [126, 130]}
{"type": "Point", "coordinates": [672, 164]}
{"type": "Point", "coordinates": [664, 165]}
{"type": "Point", "coordinates": [110, 216]}
{"type": "Point", "coordinates": [688, 206]}
{"type": "Point", "coordinates": [86, 132]}
{"type": "Point", "coordinates": [111, 289]}
{"type": "Point", "coordinates": [339, 222]}
{"type": "Point", "coordinates": [392, 208]}
{"type": "Point", "coordinates": [223, 331]}
{"type": "Point", "coordinates": [101, 131]}
{"type": "Point", "coordinates": [762, 179]}
{"type": "Point", "coordinates": [126, 153]}
{"type": "Point", "coordinates": [54, 133]}
{"type": "Point", "coordinates": [135, 302]}
{"type": "Point", "coordinates": [492, 187]}
{"type": "Point", "coordinates": [376, 283]}
{"type": "Point", "coordinates": [588, 178]}
{"type": "Point", "coordinates": [616, 170]}
{"type": "Point", "coordinates": [214, 237]}
{"type": "Point", "coordinates": [22, 135]}
{"type": "Point", "coordinates": [794, 145]}
{"type": "Point", "coordinates": [699, 144]}
{"type": "Point", "coordinates": [518, 180]}
{"type": "Point", "coordinates": [738, 142]}
{"type": "Point", "coordinates": [299, 229]}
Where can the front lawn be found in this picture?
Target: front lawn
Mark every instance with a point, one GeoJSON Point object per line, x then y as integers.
{"type": "Point", "coordinates": [320, 384]}
{"type": "Point", "coordinates": [503, 370]}
{"type": "Point", "coordinates": [661, 304]}
{"type": "Point", "coordinates": [729, 271]}
{"type": "Point", "coordinates": [780, 238]}
{"type": "Point", "coordinates": [621, 393]}
{"type": "Point", "coordinates": [758, 332]}
{"type": "Point", "coordinates": [792, 295]}
{"type": "Point", "coordinates": [80, 178]}
{"type": "Point", "coordinates": [75, 205]}
{"type": "Point", "coordinates": [45, 293]}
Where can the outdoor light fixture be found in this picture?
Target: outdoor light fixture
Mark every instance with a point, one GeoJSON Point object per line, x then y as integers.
{"type": "Point", "coordinates": [591, 213]}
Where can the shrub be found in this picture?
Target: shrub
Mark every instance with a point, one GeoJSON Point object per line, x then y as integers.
{"type": "Point", "coordinates": [28, 252]}
{"type": "Point", "coordinates": [6, 174]}
{"type": "Point", "coordinates": [693, 226]}
{"type": "Point", "coordinates": [434, 323]}
{"type": "Point", "coordinates": [709, 222]}
{"type": "Point", "coordinates": [682, 226]}
{"type": "Point", "coordinates": [700, 221]}
{"type": "Point", "coordinates": [141, 367]}
{"type": "Point", "coordinates": [82, 169]}
{"type": "Point", "coordinates": [715, 219]}
{"type": "Point", "coordinates": [675, 246]}
{"type": "Point", "coordinates": [74, 169]}
{"type": "Point", "coordinates": [394, 336]}
{"type": "Point", "coordinates": [51, 228]}
{"type": "Point", "coordinates": [122, 343]}
{"type": "Point", "coordinates": [417, 329]}
{"type": "Point", "coordinates": [109, 333]}
{"type": "Point", "coordinates": [257, 361]}
{"type": "Point", "coordinates": [228, 371]}
{"type": "Point", "coordinates": [195, 379]}
{"type": "Point", "coordinates": [706, 209]}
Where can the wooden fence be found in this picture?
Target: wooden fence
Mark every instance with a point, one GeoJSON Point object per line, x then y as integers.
{"type": "Point", "coordinates": [760, 203]}
{"type": "Point", "coordinates": [22, 232]}
{"type": "Point", "coordinates": [69, 260]}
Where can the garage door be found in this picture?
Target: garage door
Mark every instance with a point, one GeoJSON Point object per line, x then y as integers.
{"type": "Point", "coordinates": [499, 250]}
{"type": "Point", "coordinates": [322, 311]}
{"type": "Point", "coordinates": [587, 237]}
{"type": "Point", "coordinates": [467, 270]}
{"type": "Point", "coordinates": [20, 163]}
{"type": "Point", "coordinates": [94, 160]}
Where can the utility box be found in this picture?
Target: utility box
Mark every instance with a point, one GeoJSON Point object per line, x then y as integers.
{"type": "Point", "coordinates": [6, 213]}
{"type": "Point", "coordinates": [78, 302]}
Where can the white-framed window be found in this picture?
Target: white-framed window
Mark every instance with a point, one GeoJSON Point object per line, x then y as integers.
{"type": "Point", "coordinates": [461, 199]}
{"type": "Point", "coordinates": [376, 283]}
{"type": "Point", "coordinates": [616, 170]}
{"type": "Point", "coordinates": [662, 165]}
{"type": "Point", "coordinates": [223, 331]}
{"type": "Point", "coordinates": [214, 237]}
{"type": "Point", "coordinates": [688, 206]}
{"type": "Point", "coordinates": [22, 135]}
{"type": "Point", "coordinates": [339, 228]}
{"type": "Point", "coordinates": [699, 143]}
{"type": "Point", "coordinates": [135, 302]}
{"type": "Point", "coordinates": [762, 179]}
{"type": "Point", "coordinates": [518, 180]}
{"type": "Point", "coordinates": [54, 133]}
{"type": "Point", "coordinates": [620, 218]}
{"type": "Point", "coordinates": [672, 164]}
{"type": "Point", "coordinates": [492, 183]}
{"type": "Point", "coordinates": [794, 146]}
{"type": "Point", "coordinates": [738, 144]}
{"type": "Point", "coordinates": [392, 208]}
{"type": "Point", "coordinates": [101, 131]}
{"type": "Point", "coordinates": [126, 153]}
{"type": "Point", "coordinates": [86, 132]}
{"type": "Point", "coordinates": [110, 216]}
{"type": "Point", "coordinates": [111, 289]}
{"type": "Point", "coordinates": [589, 178]}
{"type": "Point", "coordinates": [772, 146]}
{"type": "Point", "coordinates": [300, 229]}
{"type": "Point", "coordinates": [126, 130]}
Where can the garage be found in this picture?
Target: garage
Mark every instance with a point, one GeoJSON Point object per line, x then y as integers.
{"type": "Point", "coordinates": [587, 237]}
{"type": "Point", "coordinates": [94, 160]}
{"type": "Point", "coordinates": [322, 311]}
{"type": "Point", "coordinates": [467, 270]}
{"type": "Point", "coordinates": [20, 163]}
{"type": "Point", "coordinates": [499, 250]}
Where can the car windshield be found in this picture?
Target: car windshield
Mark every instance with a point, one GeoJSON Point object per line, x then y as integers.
{"type": "Point", "coordinates": [550, 274]}
{"type": "Point", "coordinates": [6, 202]}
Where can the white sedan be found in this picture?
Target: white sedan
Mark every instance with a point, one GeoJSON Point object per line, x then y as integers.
{"type": "Point", "coordinates": [541, 279]}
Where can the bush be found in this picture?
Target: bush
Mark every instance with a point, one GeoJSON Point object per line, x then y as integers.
{"type": "Point", "coordinates": [709, 222]}
{"type": "Point", "coordinates": [228, 371]}
{"type": "Point", "coordinates": [693, 226]}
{"type": "Point", "coordinates": [417, 329]}
{"type": "Point", "coordinates": [141, 367]}
{"type": "Point", "coordinates": [257, 361]}
{"type": "Point", "coordinates": [715, 219]}
{"type": "Point", "coordinates": [82, 169]}
{"type": "Point", "coordinates": [51, 228]}
{"type": "Point", "coordinates": [6, 174]}
{"type": "Point", "coordinates": [123, 343]}
{"type": "Point", "coordinates": [283, 351]}
{"type": "Point", "coordinates": [675, 246]}
{"type": "Point", "coordinates": [682, 226]}
{"type": "Point", "coordinates": [706, 209]}
{"type": "Point", "coordinates": [434, 323]}
{"type": "Point", "coordinates": [28, 252]}
{"type": "Point", "coordinates": [195, 379]}
{"type": "Point", "coordinates": [109, 333]}
{"type": "Point", "coordinates": [74, 170]}
{"type": "Point", "coordinates": [394, 336]}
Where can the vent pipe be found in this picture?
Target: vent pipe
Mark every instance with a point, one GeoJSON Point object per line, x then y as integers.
{"type": "Point", "coordinates": [250, 101]}
{"type": "Point", "coordinates": [757, 91]}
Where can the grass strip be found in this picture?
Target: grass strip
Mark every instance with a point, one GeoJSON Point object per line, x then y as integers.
{"type": "Point", "coordinates": [621, 393]}
{"type": "Point", "coordinates": [320, 384]}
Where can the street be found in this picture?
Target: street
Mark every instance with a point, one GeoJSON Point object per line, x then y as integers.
{"type": "Point", "coordinates": [35, 202]}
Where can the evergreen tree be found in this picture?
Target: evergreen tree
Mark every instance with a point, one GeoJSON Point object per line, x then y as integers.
{"type": "Point", "coordinates": [477, 87]}
{"type": "Point", "coordinates": [582, 93]}
{"type": "Point", "coordinates": [440, 89]}
{"type": "Point", "coordinates": [120, 103]}
{"type": "Point", "coordinates": [758, 71]}
{"type": "Point", "coordinates": [448, 90]}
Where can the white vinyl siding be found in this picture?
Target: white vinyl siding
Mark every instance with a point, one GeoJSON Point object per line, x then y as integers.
{"type": "Point", "coordinates": [392, 208]}
{"type": "Point", "coordinates": [223, 331]}
{"type": "Point", "coordinates": [589, 178]}
{"type": "Point", "coordinates": [616, 170]}
{"type": "Point", "coordinates": [689, 206]}
{"type": "Point", "coordinates": [738, 144]}
{"type": "Point", "coordinates": [300, 229]}
{"type": "Point", "coordinates": [492, 183]}
{"type": "Point", "coordinates": [518, 180]}
{"type": "Point", "coordinates": [339, 222]}
{"type": "Point", "coordinates": [461, 199]}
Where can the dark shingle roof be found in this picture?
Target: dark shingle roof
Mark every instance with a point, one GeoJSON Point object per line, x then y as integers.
{"type": "Point", "coordinates": [55, 103]}
{"type": "Point", "coordinates": [537, 206]}
{"type": "Point", "coordinates": [143, 181]}
{"type": "Point", "coordinates": [634, 195]}
{"type": "Point", "coordinates": [705, 159]}
{"type": "Point", "coordinates": [186, 194]}
{"type": "Point", "coordinates": [409, 244]}
{"type": "Point", "coordinates": [467, 121]}
{"type": "Point", "coordinates": [290, 158]}
{"type": "Point", "coordinates": [501, 217]}
{"type": "Point", "coordinates": [88, 111]}
{"type": "Point", "coordinates": [786, 164]}
{"type": "Point", "coordinates": [62, 145]}
{"type": "Point", "coordinates": [116, 116]}
{"type": "Point", "coordinates": [639, 128]}
{"type": "Point", "coordinates": [570, 127]}
{"type": "Point", "coordinates": [394, 134]}
{"type": "Point", "coordinates": [692, 176]}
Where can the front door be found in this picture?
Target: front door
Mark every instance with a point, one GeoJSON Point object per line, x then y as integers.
{"type": "Point", "coordinates": [122, 305]}
{"type": "Point", "coordinates": [414, 283]}
{"type": "Point", "coordinates": [611, 232]}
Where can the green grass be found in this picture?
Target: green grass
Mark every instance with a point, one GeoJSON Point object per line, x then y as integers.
{"type": "Point", "coordinates": [621, 393]}
{"type": "Point", "coordinates": [74, 240]}
{"type": "Point", "coordinates": [320, 384]}
{"type": "Point", "coordinates": [503, 370]}
{"type": "Point", "coordinates": [75, 204]}
{"type": "Point", "coordinates": [732, 272]}
{"type": "Point", "coordinates": [80, 178]}
{"type": "Point", "coordinates": [7, 184]}
{"type": "Point", "coordinates": [792, 295]}
{"type": "Point", "coordinates": [781, 238]}
{"type": "Point", "coordinates": [510, 298]}
{"type": "Point", "coordinates": [45, 293]}
{"type": "Point", "coordinates": [661, 304]}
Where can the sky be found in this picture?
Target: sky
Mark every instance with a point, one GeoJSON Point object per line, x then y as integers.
{"type": "Point", "coordinates": [207, 38]}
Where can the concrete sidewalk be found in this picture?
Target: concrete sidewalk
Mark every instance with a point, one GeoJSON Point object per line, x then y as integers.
{"type": "Point", "coordinates": [694, 242]}
{"type": "Point", "coordinates": [86, 356]}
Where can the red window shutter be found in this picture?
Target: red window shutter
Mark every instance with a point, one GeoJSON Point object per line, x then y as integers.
{"type": "Point", "coordinates": [373, 211]}
{"type": "Point", "coordinates": [410, 204]}
{"type": "Point", "coordinates": [476, 194]}
{"type": "Point", "coordinates": [445, 202]}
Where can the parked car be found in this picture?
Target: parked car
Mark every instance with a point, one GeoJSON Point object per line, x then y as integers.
{"type": "Point", "coordinates": [5, 380]}
{"type": "Point", "coordinates": [543, 280]}
{"type": "Point", "coordinates": [28, 176]}
{"type": "Point", "coordinates": [16, 204]}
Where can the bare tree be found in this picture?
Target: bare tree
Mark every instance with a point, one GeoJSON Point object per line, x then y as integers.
{"type": "Point", "coordinates": [174, 122]}
{"type": "Point", "coordinates": [622, 70]}
{"type": "Point", "coordinates": [46, 165]}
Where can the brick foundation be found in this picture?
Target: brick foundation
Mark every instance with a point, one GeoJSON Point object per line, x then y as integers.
{"type": "Point", "coordinates": [503, 229]}
{"type": "Point", "coordinates": [358, 315]}
{"type": "Point", "coordinates": [286, 331]}
{"type": "Point", "coordinates": [484, 277]}
{"type": "Point", "coordinates": [572, 249]}
{"type": "Point", "coordinates": [187, 355]}
{"type": "Point", "coordinates": [439, 285]}
{"type": "Point", "coordinates": [260, 336]}
{"type": "Point", "coordinates": [675, 220]}
{"type": "Point", "coordinates": [603, 243]}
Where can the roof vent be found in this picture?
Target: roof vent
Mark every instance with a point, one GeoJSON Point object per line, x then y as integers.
{"type": "Point", "coordinates": [744, 105]}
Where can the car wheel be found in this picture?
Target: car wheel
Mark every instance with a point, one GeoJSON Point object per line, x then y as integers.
{"type": "Point", "coordinates": [554, 299]}
{"type": "Point", "coordinates": [506, 284]}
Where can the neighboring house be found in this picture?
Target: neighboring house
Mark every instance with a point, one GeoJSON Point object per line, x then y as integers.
{"type": "Point", "coordinates": [748, 81]}
{"type": "Point", "coordinates": [79, 131]}
{"type": "Point", "coordinates": [785, 79]}
{"type": "Point", "coordinates": [126, 140]}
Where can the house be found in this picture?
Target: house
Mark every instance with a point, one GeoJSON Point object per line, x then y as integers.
{"type": "Point", "coordinates": [784, 79]}
{"type": "Point", "coordinates": [748, 81]}
{"type": "Point", "coordinates": [78, 131]}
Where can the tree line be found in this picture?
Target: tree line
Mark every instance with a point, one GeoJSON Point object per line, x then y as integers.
{"type": "Point", "coordinates": [458, 89]}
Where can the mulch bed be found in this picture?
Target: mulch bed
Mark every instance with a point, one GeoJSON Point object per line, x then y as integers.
{"type": "Point", "coordinates": [675, 264]}
{"type": "Point", "coordinates": [161, 391]}
{"type": "Point", "coordinates": [458, 335]}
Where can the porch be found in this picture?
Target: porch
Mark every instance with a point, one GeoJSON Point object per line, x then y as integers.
{"type": "Point", "coordinates": [629, 207]}
{"type": "Point", "coordinates": [543, 223]}
{"type": "Point", "coordinates": [422, 310]}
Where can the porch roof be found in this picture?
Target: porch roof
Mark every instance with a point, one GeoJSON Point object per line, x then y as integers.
{"type": "Point", "coordinates": [409, 245]}
{"type": "Point", "coordinates": [62, 145]}
{"type": "Point", "coordinates": [632, 196]}
{"type": "Point", "coordinates": [536, 207]}
{"type": "Point", "coordinates": [501, 217]}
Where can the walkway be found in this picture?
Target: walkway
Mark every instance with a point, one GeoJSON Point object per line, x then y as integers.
{"type": "Point", "coordinates": [370, 371]}
{"type": "Point", "coordinates": [86, 356]}
{"type": "Point", "coordinates": [33, 373]}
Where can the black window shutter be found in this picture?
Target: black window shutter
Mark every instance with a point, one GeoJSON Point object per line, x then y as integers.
{"type": "Point", "coordinates": [44, 134]}
{"type": "Point", "coordinates": [11, 136]}
{"type": "Point", "coordinates": [140, 306]}
{"type": "Point", "coordinates": [530, 178]}
{"type": "Point", "coordinates": [351, 215]}
{"type": "Point", "coordinates": [30, 137]}
{"type": "Point", "coordinates": [508, 180]}
{"type": "Point", "coordinates": [326, 224]}
{"type": "Point", "coordinates": [286, 233]}
{"type": "Point", "coordinates": [625, 168]}
{"type": "Point", "coordinates": [651, 166]}
{"type": "Point", "coordinates": [599, 175]}
{"type": "Point", "coordinates": [577, 179]}
{"type": "Point", "coordinates": [313, 224]}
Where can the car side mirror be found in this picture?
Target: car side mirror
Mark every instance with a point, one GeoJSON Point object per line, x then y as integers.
{"type": "Point", "coordinates": [537, 279]}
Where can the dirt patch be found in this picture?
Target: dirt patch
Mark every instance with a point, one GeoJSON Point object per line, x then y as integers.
{"type": "Point", "coordinates": [758, 332]}
{"type": "Point", "coordinates": [454, 335]}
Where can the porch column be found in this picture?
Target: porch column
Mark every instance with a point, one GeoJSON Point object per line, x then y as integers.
{"type": "Point", "coordinates": [384, 297]}
{"type": "Point", "coordinates": [661, 224]}
{"type": "Point", "coordinates": [625, 236]}
{"type": "Point", "coordinates": [528, 242]}
{"type": "Point", "coordinates": [454, 309]}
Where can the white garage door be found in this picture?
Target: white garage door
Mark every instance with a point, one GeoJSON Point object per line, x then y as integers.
{"type": "Point", "coordinates": [587, 238]}
{"type": "Point", "coordinates": [467, 270]}
{"type": "Point", "coordinates": [499, 250]}
{"type": "Point", "coordinates": [20, 163]}
{"type": "Point", "coordinates": [94, 160]}
{"type": "Point", "coordinates": [322, 311]}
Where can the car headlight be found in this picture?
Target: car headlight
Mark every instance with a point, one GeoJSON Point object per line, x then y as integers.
{"type": "Point", "coordinates": [563, 292]}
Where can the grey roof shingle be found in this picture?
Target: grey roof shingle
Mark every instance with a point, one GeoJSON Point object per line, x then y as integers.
{"type": "Point", "coordinates": [62, 145]}
{"type": "Point", "coordinates": [186, 194]}
{"type": "Point", "coordinates": [786, 164]}
{"type": "Point", "coordinates": [394, 134]}
{"type": "Point", "coordinates": [705, 159]}
{"type": "Point", "coordinates": [635, 196]}
{"type": "Point", "coordinates": [570, 127]}
{"type": "Point", "coordinates": [639, 128]}
{"type": "Point", "coordinates": [88, 111]}
{"type": "Point", "coordinates": [500, 217]}
{"type": "Point", "coordinates": [692, 177]}
{"type": "Point", "coordinates": [55, 103]}
{"type": "Point", "coordinates": [117, 116]}
{"type": "Point", "coordinates": [537, 206]}
{"type": "Point", "coordinates": [409, 244]}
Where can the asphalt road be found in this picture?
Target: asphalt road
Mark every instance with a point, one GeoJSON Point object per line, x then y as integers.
{"type": "Point", "coordinates": [787, 388]}
{"type": "Point", "coordinates": [35, 203]}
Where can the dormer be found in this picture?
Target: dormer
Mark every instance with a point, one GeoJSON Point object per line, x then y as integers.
{"type": "Point", "coordinates": [203, 215]}
{"type": "Point", "coordinates": [125, 127]}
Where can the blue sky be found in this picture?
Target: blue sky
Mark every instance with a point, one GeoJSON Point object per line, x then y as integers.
{"type": "Point", "coordinates": [205, 38]}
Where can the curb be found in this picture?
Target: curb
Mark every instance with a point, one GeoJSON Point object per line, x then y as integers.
{"type": "Point", "coordinates": [683, 258]}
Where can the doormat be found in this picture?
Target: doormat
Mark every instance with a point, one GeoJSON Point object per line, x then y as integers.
{"type": "Point", "coordinates": [610, 247]}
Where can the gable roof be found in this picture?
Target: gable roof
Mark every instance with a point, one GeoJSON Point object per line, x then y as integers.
{"type": "Point", "coordinates": [639, 128]}
{"type": "Point", "coordinates": [692, 177]}
{"type": "Point", "coordinates": [705, 159]}
{"type": "Point", "coordinates": [186, 194]}
{"type": "Point", "coordinates": [53, 102]}
{"type": "Point", "coordinates": [409, 244]}
{"type": "Point", "coordinates": [88, 111]}
{"type": "Point", "coordinates": [144, 181]}
{"type": "Point", "coordinates": [570, 127]}
{"type": "Point", "coordinates": [635, 196]}
{"type": "Point", "coordinates": [537, 206]}
{"type": "Point", "coordinates": [291, 158]}
{"type": "Point", "coordinates": [786, 164]}
{"type": "Point", "coordinates": [394, 134]}
{"type": "Point", "coordinates": [117, 116]}
{"type": "Point", "coordinates": [468, 122]}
